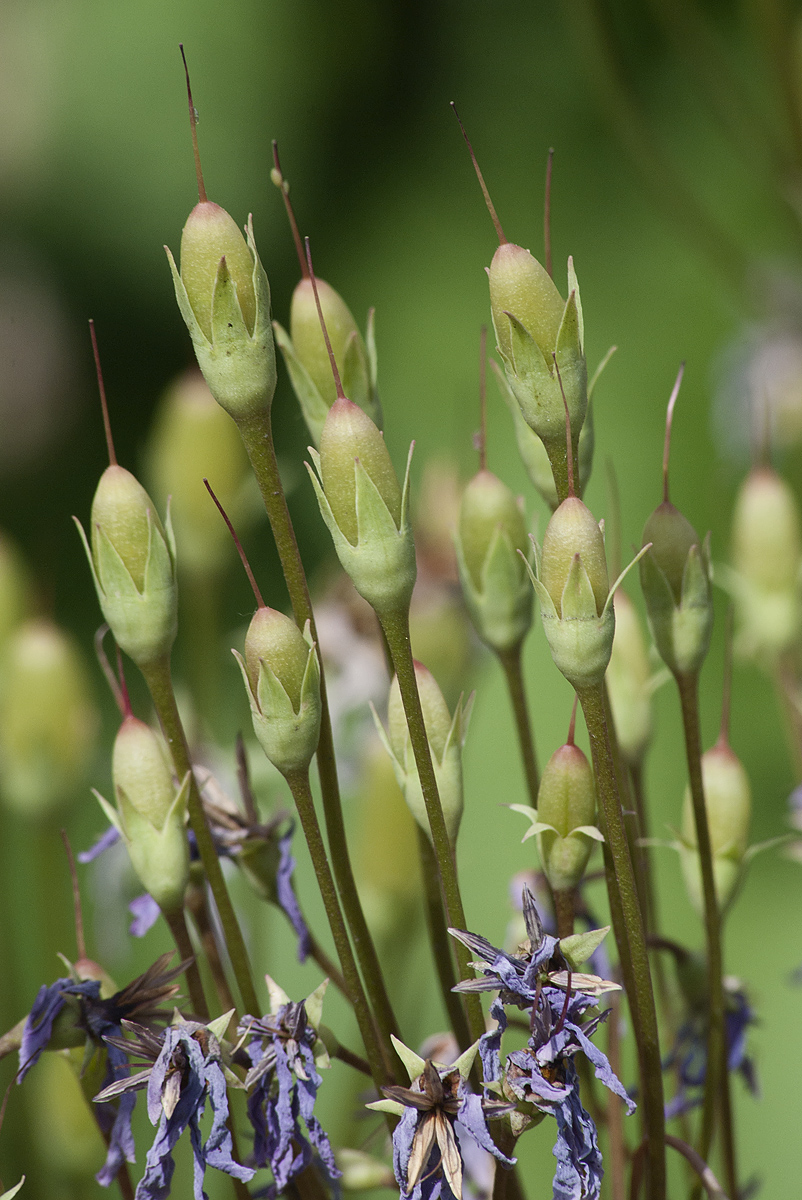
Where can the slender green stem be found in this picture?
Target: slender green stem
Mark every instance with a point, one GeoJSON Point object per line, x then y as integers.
{"type": "Point", "coordinates": [505, 1140]}
{"type": "Point", "coordinates": [442, 945]}
{"type": "Point", "coordinates": [564, 910]}
{"type": "Point", "coordinates": [511, 663]}
{"type": "Point", "coordinates": [396, 630]}
{"type": "Point", "coordinates": [717, 1077]}
{"type": "Point", "coordinates": [641, 998]}
{"type": "Point", "coordinates": [178, 928]}
{"type": "Point", "coordinates": [378, 1057]}
{"type": "Point", "coordinates": [160, 684]}
{"type": "Point", "coordinates": [197, 903]}
{"type": "Point", "coordinates": [327, 966]}
{"type": "Point", "coordinates": [257, 437]}
{"type": "Point", "coordinates": [615, 1105]}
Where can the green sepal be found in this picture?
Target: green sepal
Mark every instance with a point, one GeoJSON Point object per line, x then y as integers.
{"type": "Point", "coordinates": [464, 1064]}
{"type": "Point", "coordinates": [11, 1192]}
{"type": "Point", "coordinates": [314, 1004]}
{"type": "Point", "coordinates": [572, 367]}
{"type": "Point", "coordinates": [220, 1024]}
{"type": "Point", "coordinates": [578, 602]}
{"type": "Point", "coordinates": [413, 1062]}
{"type": "Point", "coordinates": [395, 1107]}
{"type": "Point", "coordinates": [590, 831]}
{"type": "Point", "coordinates": [502, 610]}
{"type": "Point", "coordinates": [580, 946]}
{"type": "Point", "coordinates": [573, 290]}
{"type": "Point", "coordinates": [382, 564]}
{"type": "Point", "coordinates": [276, 994]}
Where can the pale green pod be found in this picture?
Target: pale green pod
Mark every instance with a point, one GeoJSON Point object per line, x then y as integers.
{"type": "Point", "coordinates": [224, 297]}
{"type": "Point", "coordinates": [151, 813]}
{"type": "Point", "coordinates": [630, 681]}
{"type": "Point", "coordinates": [728, 802]}
{"type": "Point", "coordinates": [48, 720]}
{"type": "Point", "coordinates": [446, 736]}
{"type": "Point", "coordinates": [675, 578]}
{"type": "Point", "coordinates": [564, 821]}
{"type": "Point", "coordinates": [534, 326]}
{"type": "Point", "coordinates": [307, 360]}
{"type": "Point", "coordinates": [365, 509]}
{"type": "Point", "coordinates": [281, 673]}
{"type": "Point", "coordinates": [132, 559]}
{"type": "Point", "coordinates": [490, 538]}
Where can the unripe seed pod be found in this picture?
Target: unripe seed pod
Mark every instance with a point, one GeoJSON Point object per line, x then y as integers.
{"type": "Point", "coordinates": [365, 508]}
{"type": "Point", "coordinates": [445, 735]}
{"type": "Point", "coordinates": [767, 561]}
{"type": "Point", "coordinates": [488, 507]}
{"type": "Point", "coordinates": [210, 234]}
{"type": "Point", "coordinates": [494, 578]}
{"type": "Point", "coordinates": [193, 439]}
{"type": "Point", "coordinates": [566, 801]}
{"type": "Point", "coordinates": [675, 578]}
{"type": "Point", "coordinates": [766, 536]}
{"type": "Point", "coordinates": [572, 531]}
{"type": "Point", "coordinates": [307, 336]}
{"type": "Point", "coordinates": [274, 639]}
{"type": "Point", "coordinates": [521, 286]}
{"type": "Point", "coordinates": [728, 802]}
{"type": "Point", "coordinates": [348, 436]}
{"type": "Point", "coordinates": [48, 722]}
{"type": "Point", "coordinates": [132, 558]}
{"type": "Point", "coordinates": [123, 510]}
{"type": "Point", "coordinates": [282, 675]}
{"type": "Point", "coordinates": [151, 813]}
{"type": "Point", "coordinates": [629, 681]}
{"type": "Point", "coordinates": [672, 536]}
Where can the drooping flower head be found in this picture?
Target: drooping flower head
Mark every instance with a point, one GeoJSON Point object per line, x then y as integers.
{"type": "Point", "coordinates": [438, 1112]}
{"type": "Point", "coordinates": [287, 1054]}
{"type": "Point", "coordinates": [186, 1069]}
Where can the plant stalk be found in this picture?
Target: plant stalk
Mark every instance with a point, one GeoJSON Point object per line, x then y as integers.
{"type": "Point", "coordinates": [376, 1051]}
{"type": "Point", "coordinates": [511, 663]}
{"type": "Point", "coordinates": [178, 928]}
{"type": "Point", "coordinates": [159, 681]}
{"type": "Point", "coordinates": [257, 437]}
{"type": "Point", "coordinates": [717, 1076]}
{"type": "Point", "coordinates": [442, 945]}
{"type": "Point", "coordinates": [641, 997]}
{"type": "Point", "coordinates": [396, 630]}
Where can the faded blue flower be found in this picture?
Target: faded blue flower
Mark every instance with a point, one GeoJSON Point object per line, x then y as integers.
{"type": "Point", "coordinates": [187, 1071]}
{"type": "Point", "coordinates": [688, 1057]}
{"type": "Point", "coordinates": [49, 1003]}
{"type": "Point", "coordinates": [438, 1113]}
{"type": "Point", "coordinates": [285, 1083]}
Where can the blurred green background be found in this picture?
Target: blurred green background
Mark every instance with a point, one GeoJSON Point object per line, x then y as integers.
{"type": "Point", "coordinates": [676, 191]}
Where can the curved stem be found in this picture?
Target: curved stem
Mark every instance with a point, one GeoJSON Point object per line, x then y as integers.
{"type": "Point", "coordinates": [717, 1076]}
{"type": "Point", "coordinates": [706, 1176]}
{"type": "Point", "coordinates": [442, 944]}
{"type": "Point", "coordinates": [160, 685]}
{"type": "Point", "coordinates": [378, 1057]}
{"type": "Point", "coordinates": [511, 663]}
{"type": "Point", "coordinates": [396, 630]}
{"type": "Point", "coordinates": [636, 972]}
{"type": "Point", "coordinates": [329, 968]}
{"type": "Point", "coordinates": [257, 437]}
{"type": "Point", "coordinates": [178, 928]}
{"type": "Point", "coordinates": [198, 904]}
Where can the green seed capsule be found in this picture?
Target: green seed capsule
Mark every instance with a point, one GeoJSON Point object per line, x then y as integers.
{"type": "Point", "coordinates": [728, 801]}
{"type": "Point", "coordinates": [572, 531]}
{"type": "Point", "coordinates": [446, 736]}
{"type": "Point", "coordinates": [490, 534]}
{"type": "Point", "coordinates": [629, 681]}
{"type": "Point", "coordinates": [282, 675]}
{"type": "Point", "coordinates": [150, 813]}
{"type": "Point", "coordinates": [307, 336]}
{"type": "Point", "coordinates": [132, 558]}
{"type": "Point", "coordinates": [675, 577]}
{"type": "Point", "coordinates": [209, 235]}
{"type": "Point", "coordinates": [566, 802]}
{"type": "Point", "coordinates": [521, 286]}
{"type": "Point", "coordinates": [365, 508]}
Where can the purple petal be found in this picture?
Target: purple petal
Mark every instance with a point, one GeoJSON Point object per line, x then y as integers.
{"type": "Point", "coordinates": [217, 1152]}
{"type": "Point", "coordinates": [105, 840]}
{"type": "Point", "coordinates": [403, 1137]}
{"type": "Point", "coordinates": [145, 912]}
{"type": "Point", "coordinates": [286, 894]}
{"type": "Point", "coordinates": [579, 1163]}
{"type": "Point", "coordinates": [473, 1118]}
{"type": "Point", "coordinates": [121, 1138]}
{"type": "Point", "coordinates": [603, 1071]}
{"type": "Point", "coordinates": [38, 1028]}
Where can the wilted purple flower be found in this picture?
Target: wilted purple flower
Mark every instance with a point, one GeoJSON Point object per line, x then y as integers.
{"type": "Point", "coordinates": [98, 1021]}
{"type": "Point", "coordinates": [437, 1110]}
{"type": "Point", "coordinates": [285, 1083]}
{"type": "Point", "coordinates": [688, 1056]}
